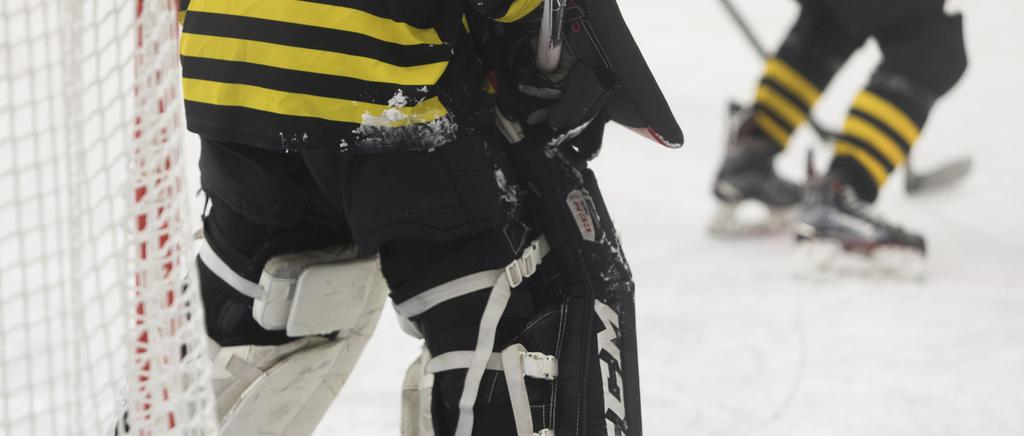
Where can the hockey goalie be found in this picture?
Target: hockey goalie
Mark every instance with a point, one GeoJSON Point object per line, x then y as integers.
{"type": "Point", "coordinates": [350, 152]}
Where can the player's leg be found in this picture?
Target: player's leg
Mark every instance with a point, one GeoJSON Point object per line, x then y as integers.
{"type": "Point", "coordinates": [283, 335]}
{"type": "Point", "coordinates": [505, 320]}
{"type": "Point", "coordinates": [924, 57]}
{"type": "Point", "coordinates": [471, 279]}
{"type": "Point", "coordinates": [813, 51]}
{"type": "Point", "coordinates": [445, 225]}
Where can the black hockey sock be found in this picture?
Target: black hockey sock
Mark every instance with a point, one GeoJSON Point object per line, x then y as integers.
{"type": "Point", "coordinates": [784, 99]}
{"type": "Point", "coordinates": [879, 132]}
{"type": "Point", "coordinates": [812, 53]}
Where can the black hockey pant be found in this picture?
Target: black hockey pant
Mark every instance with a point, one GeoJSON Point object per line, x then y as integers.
{"type": "Point", "coordinates": [433, 218]}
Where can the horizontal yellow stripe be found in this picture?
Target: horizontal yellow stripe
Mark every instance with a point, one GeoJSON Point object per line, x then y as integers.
{"type": "Point", "coordinates": [781, 106]}
{"type": "Point", "coordinates": [876, 138]}
{"type": "Point", "coordinates": [488, 88]}
{"type": "Point", "coordinates": [888, 114]}
{"type": "Point", "coordinates": [793, 81]}
{"type": "Point", "coordinates": [519, 9]}
{"type": "Point", "coordinates": [773, 129]}
{"type": "Point", "coordinates": [321, 15]}
{"type": "Point", "coordinates": [304, 105]}
{"type": "Point", "coordinates": [867, 161]}
{"type": "Point", "coordinates": [308, 60]}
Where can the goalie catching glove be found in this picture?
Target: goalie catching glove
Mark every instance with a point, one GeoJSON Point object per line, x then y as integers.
{"type": "Point", "coordinates": [557, 104]}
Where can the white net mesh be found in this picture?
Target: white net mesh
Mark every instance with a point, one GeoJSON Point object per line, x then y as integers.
{"type": "Point", "coordinates": [96, 320]}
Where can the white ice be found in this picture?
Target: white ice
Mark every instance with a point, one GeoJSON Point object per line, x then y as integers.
{"type": "Point", "coordinates": [732, 343]}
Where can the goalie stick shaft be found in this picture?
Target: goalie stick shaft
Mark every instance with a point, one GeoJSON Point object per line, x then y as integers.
{"type": "Point", "coordinates": [916, 182]}
{"type": "Point", "coordinates": [549, 46]}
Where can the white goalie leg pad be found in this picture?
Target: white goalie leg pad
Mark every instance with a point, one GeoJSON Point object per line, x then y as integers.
{"type": "Point", "coordinates": [285, 390]}
{"type": "Point", "coordinates": [315, 292]}
{"type": "Point", "coordinates": [416, 397]}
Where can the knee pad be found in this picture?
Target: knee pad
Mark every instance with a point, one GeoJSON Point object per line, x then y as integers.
{"type": "Point", "coordinates": [928, 57]}
{"type": "Point", "coordinates": [327, 303]}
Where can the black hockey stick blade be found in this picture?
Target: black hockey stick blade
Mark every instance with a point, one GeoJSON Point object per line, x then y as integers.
{"type": "Point", "coordinates": [942, 177]}
{"type": "Point", "coordinates": [640, 105]}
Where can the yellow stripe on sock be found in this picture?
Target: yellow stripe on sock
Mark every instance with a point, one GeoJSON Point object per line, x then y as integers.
{"type": "Point", "coordinates": [321, 15]}
{"type": "Point", "coordinates": [866, 160]}
{"type": "Point", "coordinates": [780, 105]}
{"type": "Point", "coordinates": [861, 129]}
{"type": "Point", "coordinates": [890, 115]}
{"type": "Point", "coordinates": [309, 60]}
{"type": "Point", "coordinates": [793, 81]}
{"type": "Point", "coordinates": [519, 9]}
{"type": "Point", "coordinates": [303, 105]}
{"type": "Point", "coordinates": [773, 129]}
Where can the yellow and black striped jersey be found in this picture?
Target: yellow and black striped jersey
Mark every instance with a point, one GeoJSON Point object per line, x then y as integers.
{"type": "Point", "coordinates": [344, 75]}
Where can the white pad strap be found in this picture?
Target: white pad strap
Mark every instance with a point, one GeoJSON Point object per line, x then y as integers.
{"type": "Point", "coordinates": [514, 274]}
{"type": "Point", "coordinates": [515, 380]}
{"type": "Point", "coordinates": [533, 365]}
{"type": "Point", "coordinates": [500, 294]}
{"type": "Point", "coordinates": [430, 298]}
{"type": "Point", "coordinates": [517, 363]}
{"type": "Point", "coordinates": [224, 272]}
{"type": "Point", "coordinates": [460, 360]}
{"type": "Point", "coordinates": [516, 271]}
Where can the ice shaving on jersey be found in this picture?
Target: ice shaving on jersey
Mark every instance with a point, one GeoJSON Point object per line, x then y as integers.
{"type": "Point", "coordinates": [402, 127]}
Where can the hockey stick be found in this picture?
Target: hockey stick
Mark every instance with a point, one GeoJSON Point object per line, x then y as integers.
{"type": "Point", "coordinates": [599, 289]}
{"type": "Point", "coordinates": [916, 182]}
{"type": "Point", "coordinates": [549, 50]}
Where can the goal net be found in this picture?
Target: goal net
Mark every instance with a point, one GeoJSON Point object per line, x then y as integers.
{"type": "Point", "coordinates": [99, 327]}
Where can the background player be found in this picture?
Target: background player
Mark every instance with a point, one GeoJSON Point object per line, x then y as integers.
{"type": "Point", "coordinates": [924, 57]}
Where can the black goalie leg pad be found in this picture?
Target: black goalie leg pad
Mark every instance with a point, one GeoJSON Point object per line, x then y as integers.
{"type": "Point", "coordinates": [598, 382]}
{"type": "Point", "coordinates": [555, 353]}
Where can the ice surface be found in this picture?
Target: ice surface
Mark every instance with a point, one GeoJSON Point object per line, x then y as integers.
{"type": "Point", "coordinates": [732, 343]}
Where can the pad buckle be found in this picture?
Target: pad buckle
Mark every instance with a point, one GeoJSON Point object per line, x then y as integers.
{"type": "Point", "coordinates": [539, 365]}
{"type": "Point", "coordinates": [514, 273]}
{"type": "Point", "coordinates": [525, 266]}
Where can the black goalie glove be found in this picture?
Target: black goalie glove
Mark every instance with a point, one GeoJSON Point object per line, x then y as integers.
{"type": "Point", "coordinates": [557, 105]}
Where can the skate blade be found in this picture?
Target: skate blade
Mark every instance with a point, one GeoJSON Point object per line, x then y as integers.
{"type": "Point", "coordinates": [824, 258]}
{"type": "Point", "coordinates": [750, 219]}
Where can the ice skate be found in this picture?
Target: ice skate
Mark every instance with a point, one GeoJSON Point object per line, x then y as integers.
{"type": "Point", "coordinates": [837, 234]}
{"type": "Point", "coordinates": [747, 181]}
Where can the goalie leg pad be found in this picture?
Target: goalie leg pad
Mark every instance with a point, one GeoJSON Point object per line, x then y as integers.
{"type": "Point", "coordinates": [503, 390]}
{"type": "Point", "coordinates": [317, 292]}
{"type": "Point", "coordinates": [416, 398]}
{"type": "Point", "coordinates": [285, 390]}
{"type": "Point", "coordinates": [331, 301]}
